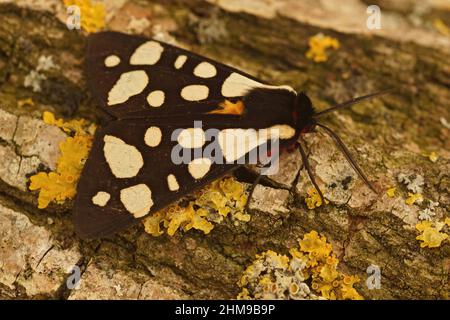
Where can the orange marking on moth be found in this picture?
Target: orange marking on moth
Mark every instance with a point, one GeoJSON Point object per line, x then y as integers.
{"type": "Point", "coordinates": [228, 107]}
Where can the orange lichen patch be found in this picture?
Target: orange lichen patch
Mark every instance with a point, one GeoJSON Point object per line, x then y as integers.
{"type": "Point", "coordinates": [313, 200]}
{"type": "Point", "coordinates": [413, 198]}
{"type": "Point", "coordinates": [217, 201]}
{"type": "Point", "coordinates": [318, 46]}
{"type": "Point", "coordinates": [391, 192]}
{"type": "Point", "coordinates": [431, 236]}
{"type": "Point", "coordinates": [310, 273]}
{"type": "Point", "coordinates": [228, 107]}
{"type": "Point", "coordinates": [440, 26]}
{"type": "Point", "coordinates": [25, 102]}
{"type": "Point", "coordinates": [60, 185]}
{"type": "Point", "coordinates": [92, 14]}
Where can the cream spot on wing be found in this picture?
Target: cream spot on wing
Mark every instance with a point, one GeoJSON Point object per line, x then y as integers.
{"type": "Point", "coordinates": [112, 61]}
{"type": "Point", "coordinates": [153, 136]}
{"type": "Point", "coordinates": [137, 200]}
{"type": "Point", "coordinates": [156, 98]}
{"type": "Point", "coordinates": [237, 85]}
{"type": "Point", "coordinates": [101, 198]}
{"type": "Point", "coordinates": [148, 53]}
{"type": "Point", "coordinates": [236, 143]}
{"type": "Point", "coordinates": [205, 70]}
{"type": "Point", "coordinates": [192, 138]}
{"type": "Point", "coordinates": [282, 131]}
{"type": "Point", "coordinates": [195, 92]}
{"type": "Point", "coordinates": [172, 183]}
{"type": "Point", "coordinates": [129, 84]}
{"type": "Point", "coordinates": [199, 167]}
{"type": "Point", "coordinates": [181, 60]}
{"type": "Point", "coordinates": [123, 159]}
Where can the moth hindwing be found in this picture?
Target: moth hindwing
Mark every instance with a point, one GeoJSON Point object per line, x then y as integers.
{"type": "Point", "coordinates": [155, 95]}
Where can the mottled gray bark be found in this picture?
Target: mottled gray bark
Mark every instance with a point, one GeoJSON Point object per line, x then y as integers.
{"type": "Point", "coordinates": [387, 137]}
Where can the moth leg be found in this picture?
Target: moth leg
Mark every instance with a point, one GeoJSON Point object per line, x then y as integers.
{"type": "Point", "coordinates": [252, 189]}
{"type": "Point", "coordinates": [308, 169]}
{"type": "Point", "coordinates": [258, 178]}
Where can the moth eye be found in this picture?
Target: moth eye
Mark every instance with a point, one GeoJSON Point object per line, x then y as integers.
{"type": "Point", "coordinates": [112, 61]}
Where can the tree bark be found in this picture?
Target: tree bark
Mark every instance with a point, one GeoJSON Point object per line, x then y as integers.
{"type": "Point", "coordinates": [388, 137]}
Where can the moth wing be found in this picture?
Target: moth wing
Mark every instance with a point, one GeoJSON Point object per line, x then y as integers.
{"type": "Point", "coordinates": [129, 175]}
{"type": "Point", "coordinates": [132, 76]}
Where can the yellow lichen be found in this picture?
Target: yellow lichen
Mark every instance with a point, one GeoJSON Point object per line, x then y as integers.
{"type": "Point", "coordinates": [315, 245]}
{"type": "Point", "coordinates": [441, 27]}
{"type": "Point", "coordinates": [430, 234]}
{"type": "Point", "coordinates": [92, 14]}
{"type": "Point", "coordinates": [314, 200]}
{"type": "Point", "coordinates": [413, 198]}
{"type": "Point", "coordinates": [60, 185]}
{"type": "Point", "coordinates": [220, 199]}
{"type": "Point", "coordinates": [391, 192]}
{"type": "Point", "coordinates": [433, 156]}
{"type": "Point", "coordinates": [310, 273]}
{"type": "Point", "coordinates": [25, 102]}
{"type": "Point", "coordinates": [77, 126]}
{"type": "Point", "coordinates": [318, 46]}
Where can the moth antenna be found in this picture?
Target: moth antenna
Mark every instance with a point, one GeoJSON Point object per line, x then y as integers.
{"type": "Point", "coordinates": [340, 144]}
{"type": "Point", "coordinates": [308, 169]}
{"type": "Point", "coordinates": [351, 102]}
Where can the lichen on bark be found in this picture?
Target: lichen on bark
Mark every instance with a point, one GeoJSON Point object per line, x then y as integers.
{"type": "Point", "coordinates": [388, 136]}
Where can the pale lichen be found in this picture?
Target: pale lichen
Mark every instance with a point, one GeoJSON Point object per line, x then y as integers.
{"type": "Point", "coordinates": [413, 182]}
{"type": "Point", "coordinates": [309, 273]}
{"type": "Point", "coordinates": [318, 46]}
{"type": "Point", "coordinates": [221, 199]}
{"type": "Point", "coordinates": [35, 77]}
{"type": "Point", "coordinates": [429, 212]}
{"type": "Point", "coordinates": [60, 185]}
{"type": "Point", "coordinates": [33, 80]}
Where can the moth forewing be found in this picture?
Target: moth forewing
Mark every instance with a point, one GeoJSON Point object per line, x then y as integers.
{"type": "Point", "coordinates": [156, 94]}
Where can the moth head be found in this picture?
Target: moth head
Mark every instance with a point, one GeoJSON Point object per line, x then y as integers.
{"type": "Point", "coordinates": [303, 114]}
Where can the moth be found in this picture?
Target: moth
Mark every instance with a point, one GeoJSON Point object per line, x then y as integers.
{"type": "Point", "coordinates": [149, 90]}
